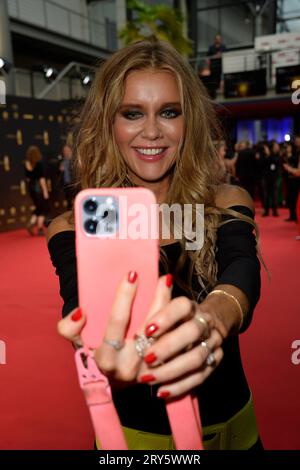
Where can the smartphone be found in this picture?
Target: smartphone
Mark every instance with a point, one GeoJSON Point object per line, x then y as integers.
{"type": "Point", "coordinates": [116, 232]}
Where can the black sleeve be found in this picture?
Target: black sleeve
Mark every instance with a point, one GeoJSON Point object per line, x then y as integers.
{"type": "Point", "coordinates": [62, 252]}
{"type": "Point", "coordinates": [237, 259]}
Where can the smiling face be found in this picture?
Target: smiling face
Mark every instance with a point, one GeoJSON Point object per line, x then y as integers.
{"type": "Point", "coordinates": [149, 126]}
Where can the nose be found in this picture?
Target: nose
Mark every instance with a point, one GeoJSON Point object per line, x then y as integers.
{"type": "Point", "coordinates": [151, 129]}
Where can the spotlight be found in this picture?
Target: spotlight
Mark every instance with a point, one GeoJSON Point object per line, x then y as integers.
{"type": "Point", "coordinates": [287, 137]}
{"type": "Point", "coordinates": [50, 73]}
{"type": "Point", "coordinates": [86, 80]}
{"type": "Point", "coordinates": [5, 66]}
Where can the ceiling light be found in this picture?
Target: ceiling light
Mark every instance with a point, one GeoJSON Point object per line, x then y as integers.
{"type": "Point", "coordinates": [50, 73]}
{"type": "Point", "coordinates": [86, 80]}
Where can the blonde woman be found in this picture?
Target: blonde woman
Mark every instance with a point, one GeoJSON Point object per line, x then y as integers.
{"type": "Point", "coordinates": [147, 121]}
{"type": "Point", "coordinates": [37, 189]}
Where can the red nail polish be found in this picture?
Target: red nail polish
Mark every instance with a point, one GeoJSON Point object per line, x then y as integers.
{"type": "Point", "coordinates": [164, 394]}
{"type": "Point", "coordinates": [76, 315]}
{"type": "Point", "coordinates": [169, 280]}
{"type": "Point", "coordinates": [147, 378]}
{"type": "Point", "coordinates": [132, 276]}
{"type": "Point", "coordinates": [151, 329]}
{"type": "Point", "coordinates": [149, 358]}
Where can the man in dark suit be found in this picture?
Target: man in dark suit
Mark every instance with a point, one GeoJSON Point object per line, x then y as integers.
{"type": "Point", "coordinates": [245, 167]}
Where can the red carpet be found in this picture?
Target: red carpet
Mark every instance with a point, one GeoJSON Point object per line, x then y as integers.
{"type": "Point", "coordinates": [41, 406]}
{"type": "Point", "coordinates": [266, 346]}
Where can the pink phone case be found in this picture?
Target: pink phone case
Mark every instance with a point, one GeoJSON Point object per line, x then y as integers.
{"type": "Point", "coordinates": [103, 261]}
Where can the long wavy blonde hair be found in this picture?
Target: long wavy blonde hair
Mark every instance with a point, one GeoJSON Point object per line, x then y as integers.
{"type": "Point", "coordinates": [196, 172]}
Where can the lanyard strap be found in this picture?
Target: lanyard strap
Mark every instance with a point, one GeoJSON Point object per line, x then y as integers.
{"type": "Point", "coordinates": [97, 392]}
{"type": "Point", "coordinates": [183, 412]}
{"type": "Point", "coordinates": [185, 422]}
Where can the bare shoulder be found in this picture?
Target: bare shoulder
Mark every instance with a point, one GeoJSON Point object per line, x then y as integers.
{"type": "Point", "coordinates": [228, 195]}
{"type": "Point", "coordinates": [62, 223]}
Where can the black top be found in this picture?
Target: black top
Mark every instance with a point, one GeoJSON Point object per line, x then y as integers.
{"type": "Point", "coordinates": [33, 176]}
{"type": "Point", "coordinates": [246, 164]}
{"type": "Point", "coordinates": [271, 166]}
{"type": "Point", "coordinates": [213, 49]}
{"type": "Point", "coordinates": [226, 391]}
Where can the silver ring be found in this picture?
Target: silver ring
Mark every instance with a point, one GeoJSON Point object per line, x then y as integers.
{"type": "Point", "coordinates": [115, 343]}
{"type": "Point", "coordinates": [210, 360]}
{"type": "Point", "coordinates": [142, 342]}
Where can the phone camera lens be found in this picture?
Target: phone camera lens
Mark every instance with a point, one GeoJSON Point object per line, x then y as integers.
{"type": "Point", "coordinates": [90, 206]}
{"type": "Point", "coordinates": [90, 226]}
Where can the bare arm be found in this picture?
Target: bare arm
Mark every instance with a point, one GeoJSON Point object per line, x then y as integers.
{"type": "Point", "coordinates": [226, 314]}
{"type": "Point", "coordinates": [291, 170]}
{"type": "Point", "coordinates": [60, 224]}
{"type": "Point", "coordinates": [43, 185]}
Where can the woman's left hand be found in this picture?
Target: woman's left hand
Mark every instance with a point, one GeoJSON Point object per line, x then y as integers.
{"type": "Point", "coordinates": [186, 351]}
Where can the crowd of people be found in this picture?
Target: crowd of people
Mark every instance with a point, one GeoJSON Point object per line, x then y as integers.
{"type": "Point", "coordinates": [269, 171]}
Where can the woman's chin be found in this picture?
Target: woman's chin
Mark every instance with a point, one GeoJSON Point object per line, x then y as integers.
{"type": "Point", "coordinates": [149, 176]}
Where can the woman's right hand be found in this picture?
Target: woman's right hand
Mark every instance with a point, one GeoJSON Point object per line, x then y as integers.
{"type": "Point", "coordinates": [122, 365]}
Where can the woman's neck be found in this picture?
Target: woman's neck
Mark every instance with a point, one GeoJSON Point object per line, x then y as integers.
{"type": "Point", "coordinates": [159, 188]}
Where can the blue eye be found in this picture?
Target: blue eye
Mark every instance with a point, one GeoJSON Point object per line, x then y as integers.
{"type": "Point", "coordinates": [170, 113]}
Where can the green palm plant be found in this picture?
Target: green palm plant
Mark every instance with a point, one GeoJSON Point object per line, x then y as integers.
{"type": "Point", "coordinates": [159, 21]}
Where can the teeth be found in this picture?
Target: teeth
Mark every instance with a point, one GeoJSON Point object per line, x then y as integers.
{"type": "Point", "coordinates": [150, 151]}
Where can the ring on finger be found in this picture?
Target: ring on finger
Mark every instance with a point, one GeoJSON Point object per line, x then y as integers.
{"type": "Point", "coordinates": [210, 360]}
{"type": "Point", "coordinates": [114, 343]}
{"type": "Point", "coordinates": [142, 342]}
{"type": "Point", "coordinates": [201, 320]}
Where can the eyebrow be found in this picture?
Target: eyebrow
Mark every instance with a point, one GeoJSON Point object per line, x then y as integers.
{"type": "Point", "coordinates": [139, 106]}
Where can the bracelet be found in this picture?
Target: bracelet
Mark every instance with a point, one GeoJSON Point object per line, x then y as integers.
{"type": "Point", "coordinates": [232, 297]}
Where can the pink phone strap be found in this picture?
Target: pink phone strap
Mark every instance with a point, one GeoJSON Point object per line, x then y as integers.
{"type": "Point", "coordinates": [183, 412]}
{"type": "Point", "coordinates": [97, 392]}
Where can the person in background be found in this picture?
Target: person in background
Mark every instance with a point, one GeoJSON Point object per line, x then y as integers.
{"type": "Point", "coordinates": [227, 164]}
{"type": "Point", "coordinates": [245, 167]}
{"type": "Point", "coordinates": [66, 169]}
{"type": "Point", "coordinates": [206, 77]}
{"type": "Point", "coordinates": [260, 152]}
{"type": "Point", "coordinates": [291, 159]}
{"type": "Point", "coordinates": [296, 173]}
{"type": "Point", "coordinates": [215, 53]}
{"type": "Point", "coordinates": [215, 50]}
{"type": "Point", "coordinates": [297, 145]}
{"type": "Point", "coordinates": [37, 189]}
{"type": "Point", "coordinates": [270, 171]}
